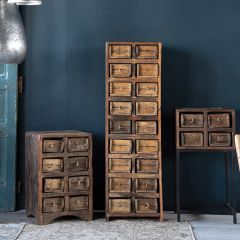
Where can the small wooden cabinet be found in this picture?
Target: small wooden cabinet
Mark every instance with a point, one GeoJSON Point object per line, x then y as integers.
{"type": "Point", "coordinates": [59, 175]}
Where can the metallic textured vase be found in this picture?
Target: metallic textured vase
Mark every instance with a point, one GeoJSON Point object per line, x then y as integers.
{"type": "Point", "coordinates": [12, 35]}
{"type": "Point", "coordinates": [26, 2]}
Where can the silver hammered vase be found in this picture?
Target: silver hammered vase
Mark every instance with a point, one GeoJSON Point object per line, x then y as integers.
{"type": "Point", "coordinates": [13, 45]}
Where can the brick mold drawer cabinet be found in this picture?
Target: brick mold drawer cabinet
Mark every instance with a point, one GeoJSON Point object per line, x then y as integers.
{"type": "Point", "coordinates": [133, 130]}
{"type": "Point", "coordinates": [59, 179]}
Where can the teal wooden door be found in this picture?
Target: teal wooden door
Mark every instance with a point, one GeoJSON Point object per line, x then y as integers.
{"type": "Point", "coordinates": [8, 121]}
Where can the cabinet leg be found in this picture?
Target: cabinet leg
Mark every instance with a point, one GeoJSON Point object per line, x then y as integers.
{"type": "Point", "coordinates": [178, 186]}
{"type": "Point", "coordinates": [234, 187]}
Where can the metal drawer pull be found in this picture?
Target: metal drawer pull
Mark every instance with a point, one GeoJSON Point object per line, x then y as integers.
{"type": "Point", "coordinates": [147, 205]}
{"type": "Point", "coordinates": [51, 145]}
{"type": "Point", "coordinates": [220, 138]}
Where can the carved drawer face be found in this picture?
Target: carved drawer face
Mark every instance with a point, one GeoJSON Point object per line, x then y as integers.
{"type": "Point", "coordinates": [120, 185]}
{"type": "Point", "coordinates": [146, 51]}
{"type": "Point", "coordinates": [147, 108]}
{"type": "Point", "coordinates": [120, 89]}
{"type": "Point", "coordinates": [78, 203]}
{"type": "Point", "coordinates": [146, 127]}
{"type": "Point", "coordinates": [147, 89]}
{"type": "Point", "coordinates": [147, 146]}
{"type": "Point", "coordinates": [147, 70]}
{"type": "Point", "coordinates": [192, 139]}
{"type": "Point", "coordinates": [120, 70]}
{"type": "Point", "coordinates": [221, 120]}
{"type": "Point", "coordinates": [146, 205]}
{"type": "Point", "coordinates": [120, 51]}
{"type": "Point", "coordinates": [78, 144]}
{"type": "Point", "coordinates": [52, 165]}
{"type": "Point", "coordinates": [120, 108]}
{"type": "Point", "coordinates": [120, 126]}
{"type": "Point", "coordinates": [53, 204]}
{"type": "Point", "coordinates": [77, 164]}
{"type": "Point", "coordinates": [53, 145]}
{"type": "Point", "coordinates": [80, 183]}
{"type": "Point", "coordinates": [120, 205]}
{"type": "Point", "coordinates": [53, 185]}
{"type": "Point", "coordinates": [220, 139]}
{"type": "Point", "coordinates": [192, 120]}
{"type": "Point", "coordinates": [146, 185]}
{"type": "Point", "coordinates": [120, 146]}
{"type": "Point", "coordinates": [120, 165]}
{"type": "Point", "coordinates": [147, 165]}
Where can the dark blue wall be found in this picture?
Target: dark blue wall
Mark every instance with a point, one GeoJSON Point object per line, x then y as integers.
{"type": "Point", "coordinates": [65, 83]}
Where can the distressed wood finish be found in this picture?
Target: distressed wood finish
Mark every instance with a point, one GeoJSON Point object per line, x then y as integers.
{"type": "Point", "coordinates": [133, 130]}
{"type": "Point", "coordinates": [59, 175]}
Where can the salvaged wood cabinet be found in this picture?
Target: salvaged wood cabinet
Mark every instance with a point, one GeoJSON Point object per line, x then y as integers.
{"type": "Point", "coordinates": [59, 175]}
{"type": "Point", "coordinates": [133, 130]}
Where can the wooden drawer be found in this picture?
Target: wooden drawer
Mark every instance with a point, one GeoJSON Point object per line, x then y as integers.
{"type": "Point", "coordinates": [78, 203]}
{"type": "Point", "coordinates": [147, 165]}
{"type": "Point", "coordinates": [53, 145]}
{"type": "Point", "coordinates": [120, 51]}
{"type": "Point", "coordinates": [120, 146]}
{"type": "Point", "coordinates": [120, 70]}
{"type": "Point", "coordinates": [147, 70]}
{"type": "Point", "coordinates": [147, 89]}
{"type": "Point", "coordinates": [220, 139]}
{"type": "Point", "coordinates": [53, 204]}
{"type": "Point", "coordinates": [52, 165]}
{"type": "Point", "coordinates": [80, 183]}
{"type": "Point", "coordinates": [147, 108]}
{"type": "Point", "coordinates": [146, 127]}
{"type": "Point", "coordinates": [192, 120]}
{"type": "Point", "coordinates": [120, 108]}
{"type": "Point", "coordinates": [120, 185]}
{"type": "Point", "coordinates": [120, 89]}
{"type": "Point", "coordinates": [146, 205]}
{"type": "Point", "coordinates": [147, 146]}
{"type": "Point", "coordinates": [120, 165]}
{"type": "Point", "coordinates": [77, 164]}
{"type": "Point", "coordinates": [78, 144]}
{"type": "Point", "coordinates": [146, 51]}
{"type": "Point", "coordinates": [192, 139]}
{"type": "Point", "coordinates": [146, 185]}
{"type": "Point", "coordinates": [53, 185]}
{"type": "Point", "coordinates": [120, 205]}
{"type": "Point", "coordinates": [220, 120]}
{"type": "Point", "coordinates": [120, 126]}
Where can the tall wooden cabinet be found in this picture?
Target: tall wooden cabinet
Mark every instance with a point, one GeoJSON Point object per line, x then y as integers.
{"type": "Point", "coordinates": [133, 130]}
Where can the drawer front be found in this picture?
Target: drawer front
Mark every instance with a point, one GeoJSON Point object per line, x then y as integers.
{"type": "Point", "coordinates": [120, 126]}
{"type": "Point", "coordinates": [52, 165]}
{"type": "Point", "coordinates": [191, 120]}
{"type": "Point", "coordinates": [220, 139]}
{"type": "Point", "coordinates": [77, 164]}
{"type": "Point", "coordinates": [147, 146]}
{"type": "Point", "coordinates": [78, 144]}
{"type": "Point", "coordinates": [146, 205]}
{"type": "Point", "coordinates": [120, 146]}
{"type": "Point", "coordinates": [120, 51]}
{"type": "Point", "coordinates": [147, 70]}
{"type": "Point", "coordinates": [119, 205]}
{"type": "Point", "coordinates": [146, 51]}
{"type": "Point", "coordinates": [53, 185]}
{"type": "Point", "coordinates": [221, 120]}
{"type": "Point", "coordinates": [147, 166]}
{"type": "Point", "coordinates": [53, 204]}
{"type": "Point", "coordinates": [120, 108]}
{"type": "Point", "coordinates": [80, 183]}
{"type": "Point", "coordinates": [78, 203]}
{"type": "Point", "coordinates": [53, 145]}
{"type": "Point", "coordinates": [120, 70]}
{"type": "Point", "coordinates": [146, 127]}
{"type": "Point", "coordinates": [120, 165]}
{"type": "Point", "coordinates": [120, 89]}
{"type": "Point", "coordinates": [120, 185]}
{"type": "Point", "coordinates": [147, 108]}
{"type": "Point", "coordinates": [146, 185]}
{"type": "Point", "coordinates": [147, 89]}
{"type": "Point", "coordinates": [192, 139]}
